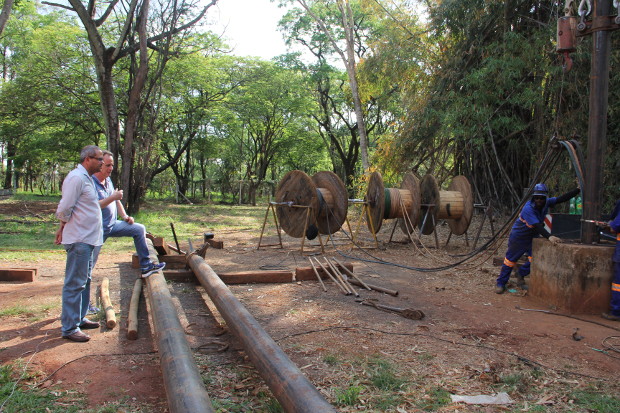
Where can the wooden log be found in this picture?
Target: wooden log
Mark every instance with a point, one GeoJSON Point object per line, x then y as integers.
{"type": "Point", "coordinates": [18, 274]}
{"type": "Point", "coordinates": [244, 277]}
{"type": "Point", "coordinates": [307, 273]}
{"type": "Point", "coordinates": [132, 317]}
{"type": "Point", "coordinates": [375, 287]}
{"type": "Point", "coordinates": [107, 304]}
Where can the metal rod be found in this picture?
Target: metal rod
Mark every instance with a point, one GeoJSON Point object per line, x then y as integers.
{"type": "Point", "coordinates": [174, 235]}
{"type": "Point", "coordinates": [363, 284]}
{"type": "Point", "coordinates": [376, 288]}
{"type": "Point", "coordinates": [184, 387]}
{"type": "Point", "coordinates": [329, 274]}
{"type": "Point", "coordinates": [341, 277]}
{"type": "Point", "coordinates": [287, 383]}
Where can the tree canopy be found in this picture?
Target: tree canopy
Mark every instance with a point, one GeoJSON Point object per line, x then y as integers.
{"type": "Point", "coordinates": [443, 87]}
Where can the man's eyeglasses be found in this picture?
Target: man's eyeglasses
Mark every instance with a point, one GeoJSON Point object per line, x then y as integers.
{"type": "Point", "coordinates": [99, 159]}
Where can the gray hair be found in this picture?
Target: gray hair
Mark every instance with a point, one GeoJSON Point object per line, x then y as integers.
{"type": "Point", "coordinates": [106, 152]}
{"type": "Point", "coordinates": [89, 151]}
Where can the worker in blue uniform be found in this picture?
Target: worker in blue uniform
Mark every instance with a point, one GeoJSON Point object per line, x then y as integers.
{"type": "Point", "coordinates": [529, 224]}
{"type": "Point", "coordinates": [614, 224]}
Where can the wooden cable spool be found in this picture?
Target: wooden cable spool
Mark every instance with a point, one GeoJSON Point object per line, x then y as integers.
{"type": "Point", "coordinates": [333, 202]}
{"type": "Point", "coordinates": [456, 204]}
{"type": "Point", "coordinates": [391, 203]}
{"type": "Point", "coordinates": [297, 188]}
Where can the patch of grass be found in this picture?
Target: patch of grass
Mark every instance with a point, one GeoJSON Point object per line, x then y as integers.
{"type": "Point", "coordinates": [34, 312]}
{"type": "Point", "coordinates": [594, 401]}
{"type": "Point", "coordinates": [273, 406]}
{"type": "Point", "coordinates": [383, 376]}
{"type": "Point", "coordinates": [15, 397]}
{"type": "Point", "coordinates": [387, 402]}
{"type": "Point", "coordinates": [331, 359]}
{"type": "Point", "coordinates": [348, 396]}
{"type": "Point", "coordinates": [425, 357]}
{"type": "Point", "coordinates": [435, 399]}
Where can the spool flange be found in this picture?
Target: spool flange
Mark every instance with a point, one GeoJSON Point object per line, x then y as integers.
{"type": "Point", "coordinates": [332, 210]}
{"type": "Point", "coordinates": [429, 192]}
{"type": "Point", "coordinates": [375, 197]}
{"type": "Point", "coordinates": [296, 187]}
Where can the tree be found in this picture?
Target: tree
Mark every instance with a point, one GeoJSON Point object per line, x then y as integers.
{"type": "Point", "coordinates": [348, 26]}
{"type": "Point", "coordinates": [5, 13]}
{"type": "Point", "coordinates": [133, 40]}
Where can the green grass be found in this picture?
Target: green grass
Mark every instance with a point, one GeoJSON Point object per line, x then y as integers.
{"type": "Point", "coordinates": [16, 397]}
{"type": "Point", "coordinates": [595, 401]}
{"type": "Point", "coordinates": [436, 398]}
{"type": "Point", "coordinates": [33, 311]}
{"type": "Point", "coordinates": [18, 240]}
{"type": "Point", "coordinates": [383, 376]}
{"type": "Point", "coordinates": [348, 396]}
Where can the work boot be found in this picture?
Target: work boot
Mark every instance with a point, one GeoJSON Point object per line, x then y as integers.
{"type": "Point", "coordinates": [500, 289]}
{"type": "Point", "coordinates": [521, 283]}
{"type": "Point", "coordinates": [610, 316]}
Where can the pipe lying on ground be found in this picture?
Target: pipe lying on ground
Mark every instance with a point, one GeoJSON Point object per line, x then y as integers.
{"type": "Point", "coordinates": [287, 383]}
{"type": "Point", "coordinates": [185, 390]}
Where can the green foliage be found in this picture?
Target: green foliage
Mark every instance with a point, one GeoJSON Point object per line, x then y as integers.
{"type": "Point", "coordinates": [435, 398]}
{"type": "Point", "coordinates": [594, 401]}
{"type": "Point", "coordinates": [14, 397]}
{"type": "Point", "coordinates": [383, 377]}
{"type": "Point", "coordinates": [348, 396]}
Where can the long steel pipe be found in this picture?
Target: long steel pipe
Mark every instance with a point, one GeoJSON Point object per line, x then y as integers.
{"type": "Point", "coordinates": [184, 387]}
{"type": "Point", "coordinates": [287, 383]}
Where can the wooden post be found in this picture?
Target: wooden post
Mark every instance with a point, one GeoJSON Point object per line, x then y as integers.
{"type": "Point", "coordinates": [132, 318]}
{"type": "Point", "coordinates": [107, 304]}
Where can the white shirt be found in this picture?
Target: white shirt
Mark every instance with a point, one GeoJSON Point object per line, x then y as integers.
{"type": "Point", "coordinates": [79, 208]}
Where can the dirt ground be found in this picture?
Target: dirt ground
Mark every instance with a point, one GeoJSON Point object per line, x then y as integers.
{"type": "Point", "coordinates": [469, 339]}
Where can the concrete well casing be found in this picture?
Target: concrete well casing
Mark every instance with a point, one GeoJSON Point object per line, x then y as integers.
{"type": "Point", "coordinates": [572, 277]}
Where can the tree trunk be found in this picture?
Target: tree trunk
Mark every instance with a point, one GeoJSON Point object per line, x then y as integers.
{"type": "Point", "coordinates": [5, 13]}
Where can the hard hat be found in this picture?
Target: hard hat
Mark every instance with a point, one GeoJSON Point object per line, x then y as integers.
{"type": "Point", "coordinates": [540, 190]}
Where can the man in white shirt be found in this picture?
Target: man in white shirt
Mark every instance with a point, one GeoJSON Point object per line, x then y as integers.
{"type": "Point", "coordinates": [80, 232]}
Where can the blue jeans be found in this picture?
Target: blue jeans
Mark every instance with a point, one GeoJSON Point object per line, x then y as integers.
{"type": "Point", "coordinates": [135, 230]}
{"type": "Point", "coordinates": [76, 289]}
{"type": "Point", "coordinates": [615, 290]}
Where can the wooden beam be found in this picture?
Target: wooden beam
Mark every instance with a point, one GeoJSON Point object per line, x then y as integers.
{"type": "Point", "coordinates": [18, 274]}
{"type": "Point", "coordinates": [172, 261]}
{"type": "Point", "coordinates": [217, 244]}
{"type": "Point", "coordinates": [259, 277]}
{"type": "Point", "coordinates": [307, 273]}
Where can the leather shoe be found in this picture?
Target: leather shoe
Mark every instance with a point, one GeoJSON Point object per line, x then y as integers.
{"type": "Point", "coordinates": [78, 337]}
{"type": "Point", "coordinates": [89, 325]}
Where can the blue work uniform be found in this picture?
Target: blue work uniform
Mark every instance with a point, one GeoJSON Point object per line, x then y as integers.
{"type": "Point", "coordinates": [615, 282]}
{"type": "Point", "coordinates": [520, 240]}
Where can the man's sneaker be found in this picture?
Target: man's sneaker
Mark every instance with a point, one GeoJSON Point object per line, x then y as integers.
{"type": "Point", "coordinates": [610, 316]}
{"type": "Point", "coordinates": [500, 289]}
{"type": "Point", "coordinates": [152, 269]}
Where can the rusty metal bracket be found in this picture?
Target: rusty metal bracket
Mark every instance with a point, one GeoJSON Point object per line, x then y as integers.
{"type": "Point", "coordinates": [597, 24]}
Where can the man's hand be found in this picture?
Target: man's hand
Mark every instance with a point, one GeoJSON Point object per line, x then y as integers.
{"type": "Point", "coordinates": [117, 195]}
{"type": "Point", "coordinates": [555, 240]}
{"type": "Point", "coordinates": [129, 220]}
{"type": "Point", "coordinates": [58, 238]}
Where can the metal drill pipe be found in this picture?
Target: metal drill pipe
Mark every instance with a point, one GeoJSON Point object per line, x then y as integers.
{"type": "Point", "coordinates": [184, 386]}
{"type": "Point", "coordinates": [287, 383]}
